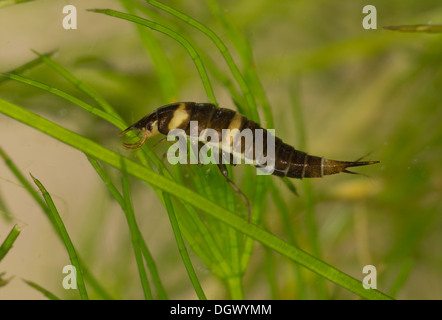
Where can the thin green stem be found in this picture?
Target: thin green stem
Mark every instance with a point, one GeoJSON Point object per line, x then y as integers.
{"type": "Point", "coordinates": [176, 36]}
{"type": "Point", "coordinates": [25, 183]}
{"type": "Point", "coordinates": [44, 291]}
{"type": "Point", "coordinates": [251, 79]}
{"type": "Point", "coordinates": [93, 110]}
{"type": "Point", "coordinates": [308, 190]}
{"type": "Point", "coordinates": [9, 241]}
{"type": "Point", "coordinates": [18, 174]}
{"type": "Point", "coordinates": [66, 239]}
{"type": "Point", "coordinates": [182, 248]}
{"type": "Point", "coordinates": [134, 232]}
{"type": "Point", "coordinates": [142, 245]}
{"type": "Point", "coordinates": [251, 105]}
{"type": "Point", "coordinates": [27, 66]}
{"type": "Point", "coordinates": [78, 84]}
{"type": "Point", "coordinates": [162, 64]}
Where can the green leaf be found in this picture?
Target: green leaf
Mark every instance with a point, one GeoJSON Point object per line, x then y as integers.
{"type": "Point", "coordinates": [39, 288]}
{"type": "Point", "coordinates": [9, 241]}
{"type": "Point", "coordinates": [176, 36]}
{"type": "Point", "coordinates": [424, 28]}
{"type": "Point", "coordinates": [65, 237]}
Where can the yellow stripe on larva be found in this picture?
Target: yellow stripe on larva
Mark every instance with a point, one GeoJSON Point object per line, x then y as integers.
{"type": "Point", "coordinates": [234, 126]}
{"type": "Point", "coordinates": [179, 116]}
{"type": "Point", "coordinates": [236, 122]}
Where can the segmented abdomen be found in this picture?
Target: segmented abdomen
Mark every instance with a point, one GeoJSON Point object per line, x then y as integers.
{"type": "Point", "coordinates": [288, 161]}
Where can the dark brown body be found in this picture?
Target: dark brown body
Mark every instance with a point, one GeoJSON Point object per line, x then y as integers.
{"type": "Point", "coordinates": [288, 161]}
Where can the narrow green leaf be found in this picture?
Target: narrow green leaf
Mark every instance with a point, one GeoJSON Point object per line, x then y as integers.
{"type": "Point", "coordinates": [5, 3]}
{"type": "Point", "coordinates": [251, 105]}
{"type": "Point", "coordinates": [144, 249]}
{"type": "Point", "coordinates": [65, 236]}
{"type": "Point", "coordinates": [426, 28]}
{"type": "Point", "coordinates": [308, 190]}
{"type": "Point", "coordinates": [79, 84]}
{"type": "Point", "coordinates": [182, 248]}
{"type": "Point", "coordinates": [17, 173]}
{"type": "Point", "coordinates": [9, 241]}
{"type": "Point", "coordinates": [47, 293]}
{"type": "Point", "coordinates": [162, 64]}
{"type": "Point", "coordinates": [27, 66]}
{"type": "Point", "coordinates": [134, 232]}
{"type": "Point", "coordinates": [176, 36]}
{"type": "Point", "coordinates": [402, 277]}
{"type": "Point", "coordinates": [4, 281]}
{"type": "Point", "coordinates": [244, 49]}
{"type": "Point", "coordinates": [4, 211]}
{"type": "Point", "coordinates": [93, 110]}
{"type": "Point", "coordinates": [35, 195]}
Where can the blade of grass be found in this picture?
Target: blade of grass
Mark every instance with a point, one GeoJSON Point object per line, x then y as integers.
{"type": "Point", "coordinates": [65, 236]}
{"type": "Point", "coordinates": [25, 183]}
{"type": "Point", "coordinates": [93, 110]}
{"type": "Point", "coordinates": [251, 105]}
{"type": "Point", "coordinates": [134, 232]}
{"type": "Point", "coordinates": [97, 151]}
{"type": "Point", "coordinates": [144, 249]}
{"type": "Point", "coordinates": [174, 35]}
{"type": "Point", "coordinates": [27, 66]}
{"type": "Point", "coordinates": [271, 273]}
{"type": "Point", "coordinates": [182, 248]}
{"type": "Point", "coordinates": [428, 28]}
{"type": "Point", "coordinates": [5, 3]}
{"type": "Point", "coordinates": [284, 211]}
{"type": "Point", "coordinates": [402, 277]}
{"type": "Point", "coordinates": [244, 49]}
{"type": "Point", "coordinates": [258, 210]}
{"type": "Point", "coordinates": [234, 281]}
{"type": "Point", "coordinates": [225, 80]}
{"type": "Point", "coordinates": [162, 65]}
{"type": "Point", "coordinates": [78, 84]}
{"type": "Point", "coordinates": [211, 245]}
{"type": "Point", "coordinates": [47, 293]}
{"type": "Point", "coordinates": [35, 195]}
{"type": "Point", "coordinates": [200, 238]}
{"type": "Point", "coordinates": [211, 184]}
{"type": "Point", "coordinates": [308, 190]}
{"type": "Point", "coordinates": [9, 241]}
{"type": "Point", "coordinates": [3, 281]}
{"type": "Point", "coordinates": [4, 211]}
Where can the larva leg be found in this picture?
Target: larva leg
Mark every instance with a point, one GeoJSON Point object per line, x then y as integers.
{"type": "Point", "coordinates": [222, 167]}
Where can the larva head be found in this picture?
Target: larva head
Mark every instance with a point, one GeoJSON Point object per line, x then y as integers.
{"type": "Point", "coordinates": [148, 126]}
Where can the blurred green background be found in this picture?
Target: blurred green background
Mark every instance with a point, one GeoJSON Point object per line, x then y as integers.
{"type": "Point", "coordinates": [375, 92]}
